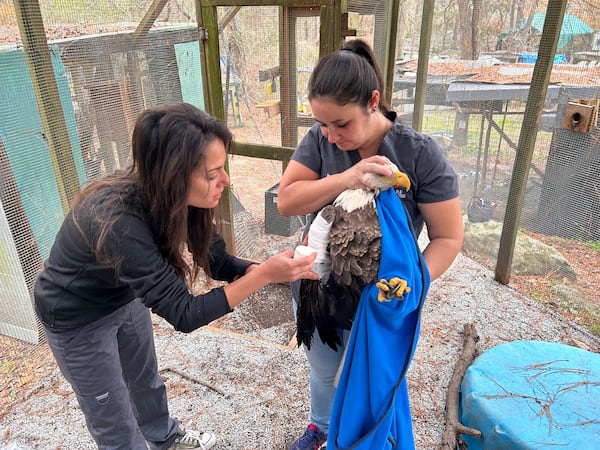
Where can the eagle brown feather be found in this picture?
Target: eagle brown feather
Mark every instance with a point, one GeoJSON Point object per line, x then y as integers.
{"type": "Point", "coordinates": [354, 251]}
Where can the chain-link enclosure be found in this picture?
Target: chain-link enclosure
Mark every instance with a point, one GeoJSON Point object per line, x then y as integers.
{"type": "Point", "coordinates": [66, 118]}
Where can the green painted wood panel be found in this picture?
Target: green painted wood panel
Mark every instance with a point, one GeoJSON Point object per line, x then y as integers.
{"type": "Point", "coordinates": [23, 138]}
{"type": "Point", "coordinates": [190, 73]}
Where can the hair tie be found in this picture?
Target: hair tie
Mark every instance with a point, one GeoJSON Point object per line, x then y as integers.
{"type": "Point", "coordinates": [345, 49]}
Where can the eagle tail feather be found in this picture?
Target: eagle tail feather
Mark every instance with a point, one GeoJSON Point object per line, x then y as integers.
{"type": "Point", "coordinates": [305, 323]}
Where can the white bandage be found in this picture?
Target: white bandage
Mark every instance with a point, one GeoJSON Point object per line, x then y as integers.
{"type": "Point", "coordinates": [303, 250]}
{"type": "Point", "coordinates": [318, 239]}
{"type": "Point", "coordinates": [321, 268]}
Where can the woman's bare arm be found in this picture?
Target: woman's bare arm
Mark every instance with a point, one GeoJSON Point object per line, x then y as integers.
{"type": "Point", "coordinates": [301, 191]}
{"type": "Point", "coordinates": [445, 228]}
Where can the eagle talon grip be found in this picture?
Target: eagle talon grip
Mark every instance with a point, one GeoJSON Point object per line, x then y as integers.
{"type": "Point", "coordinates": [394, 288]}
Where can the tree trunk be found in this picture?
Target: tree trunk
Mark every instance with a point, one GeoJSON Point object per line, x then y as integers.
{"type": "Point", "coordinates": [475, 30]}
{"type": "Point", "coordinates": [464, 28]}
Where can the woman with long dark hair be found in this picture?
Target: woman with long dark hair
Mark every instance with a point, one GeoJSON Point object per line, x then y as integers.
{"type": "Point", "coordinates": [133, 242]}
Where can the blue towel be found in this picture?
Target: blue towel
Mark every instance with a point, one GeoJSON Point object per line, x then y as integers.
{"type": "Point", "coordinates": [371, 408]}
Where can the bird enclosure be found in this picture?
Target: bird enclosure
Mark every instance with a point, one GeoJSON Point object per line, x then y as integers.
{"type": "Point", "coordinates": [76, 74]}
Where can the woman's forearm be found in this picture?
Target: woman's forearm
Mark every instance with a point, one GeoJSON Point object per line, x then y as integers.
{"type": "Point", "coordinates": [307, 196]}
{"type": "Point", "coordinates": [439, 255]}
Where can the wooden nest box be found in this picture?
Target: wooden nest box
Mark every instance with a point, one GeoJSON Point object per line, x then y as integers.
{"type": "Point", "coordinates": [271, 107]}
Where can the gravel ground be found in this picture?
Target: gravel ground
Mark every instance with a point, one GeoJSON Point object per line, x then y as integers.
{"type": "Point", "coordinates": [243, 379]}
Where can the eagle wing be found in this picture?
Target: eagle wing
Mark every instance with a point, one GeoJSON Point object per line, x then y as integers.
{"type": "Point", "coordinates": [354, 250]}
{"type": "Point", "coordinates": [355, 244]}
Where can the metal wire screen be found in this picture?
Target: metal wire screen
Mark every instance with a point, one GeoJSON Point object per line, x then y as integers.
{"type": "Point", "coordinates": [475, 99]}
{"type": "Point", "coordinates": [476, 95]}
{"type": "Point", "coordinates": [251, 55]}
{"type": "Point", "coordinates": [103, 81]}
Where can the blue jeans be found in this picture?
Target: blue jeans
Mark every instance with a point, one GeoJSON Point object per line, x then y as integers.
{"type": "Point", "coordinates": [111, 366]}
{"type": "Point", "coordinates": [324, 363]}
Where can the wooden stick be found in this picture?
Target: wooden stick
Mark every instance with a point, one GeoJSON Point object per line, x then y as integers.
{"type": "Point", "coordinates": [453, 426]}
{"type": "Point", "coordinates": [194, 379]}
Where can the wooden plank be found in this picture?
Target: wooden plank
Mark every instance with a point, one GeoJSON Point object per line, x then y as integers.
{"type": "Point", "coordinates": [287, 64]}
{"type": "Point", "coordinates": [262, 151]}
{"type": "Point", "coordinates": [389, 64]}
{"type": "Point", "coordinates": [229, 16]}
{"type": "Point", "coordinates": [424, 51]}
{"type": "Point", "coordinates": [266, 2]}
{"type": "Point", "coordinates": [148, 20]}
{"type": "Point", "coordinates": [535, 104]}
{"type": "Point", "coordinates": [31, 26]}
{"type": "Point", "coordinates": [327, 42]}
{"type": "Point", "coordinates": [208, 24]}
{"type": "Point", "coordinates": [93, 49]}
{"type": "Point", "coordinates": [30, 259]}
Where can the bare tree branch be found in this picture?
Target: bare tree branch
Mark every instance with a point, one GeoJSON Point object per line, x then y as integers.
{"type": "Point", "coordinates": [453, 426]}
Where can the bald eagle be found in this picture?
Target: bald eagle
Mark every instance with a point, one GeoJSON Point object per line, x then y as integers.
{"type": "Point", "coordinates": [347, 238]}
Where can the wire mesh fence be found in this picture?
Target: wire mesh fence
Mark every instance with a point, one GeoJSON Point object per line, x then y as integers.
{"type": "Point", "coordinates": [106, 73]}
{"type": "Point", "coordinates": [475, 110]}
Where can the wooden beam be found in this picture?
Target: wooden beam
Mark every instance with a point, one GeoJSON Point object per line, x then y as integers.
{"type": "Point", "coordinates": [263, 151]}
{"type": "Point", "coordinates": [327, 42]}
{"type": "Point", "coordinates": [288, 85]}
{"type": "Point", "coordinates": [389, 64]}
{"type": "Point", "coordinates": [208, 26]}
{"type": "Point", "coordinates": [148, 20]}
{"type": "Point", "coordinates": [287, 69]}
{"type": "Point", "coordinates": [540, 78]}
{"type": "Point", "coordinates": [37, 53]}
{"type": "Point", "coordinates": [423, 63]}
{"type": "Point", "coordinates": [20, 228]}
{"type": "Point", "coordinates": [266, 2]}
{"type": "Point", "coordinates": [210, 59]}
{"type": "Point", "coordinates": [229, 16]}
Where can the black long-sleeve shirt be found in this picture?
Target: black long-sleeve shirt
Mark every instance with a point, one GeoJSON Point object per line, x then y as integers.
{"type": "Point", "coordinates": [75, 289]}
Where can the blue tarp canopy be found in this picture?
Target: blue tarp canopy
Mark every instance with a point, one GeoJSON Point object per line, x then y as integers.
{"type": "Point", "coordinates": [572, 26]}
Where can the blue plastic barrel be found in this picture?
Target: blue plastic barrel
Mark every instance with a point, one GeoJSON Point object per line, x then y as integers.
{"type": "Point", "coordinates": [533, 395]}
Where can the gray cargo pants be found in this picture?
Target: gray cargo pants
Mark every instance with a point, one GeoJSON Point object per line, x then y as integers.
{"type": "Point", "coordinates": [111, 365]}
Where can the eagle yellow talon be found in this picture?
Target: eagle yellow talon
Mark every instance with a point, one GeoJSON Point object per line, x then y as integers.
{"type": "Point", "coordinates": [394, 288]}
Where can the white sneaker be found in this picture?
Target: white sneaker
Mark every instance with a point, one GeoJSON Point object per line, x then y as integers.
{"type": "Point", "coordinates": [192, 439]}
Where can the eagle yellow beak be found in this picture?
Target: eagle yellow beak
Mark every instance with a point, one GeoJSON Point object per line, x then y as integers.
{"type": "Point", "coordinates": [398, 179]}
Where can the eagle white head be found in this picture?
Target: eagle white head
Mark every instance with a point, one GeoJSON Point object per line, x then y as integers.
{"type": "Point", "coordinates": [352, 199]}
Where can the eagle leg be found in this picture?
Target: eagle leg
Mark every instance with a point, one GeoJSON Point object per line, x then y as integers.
{"type": "Point", "coordinates": [394, 288]}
